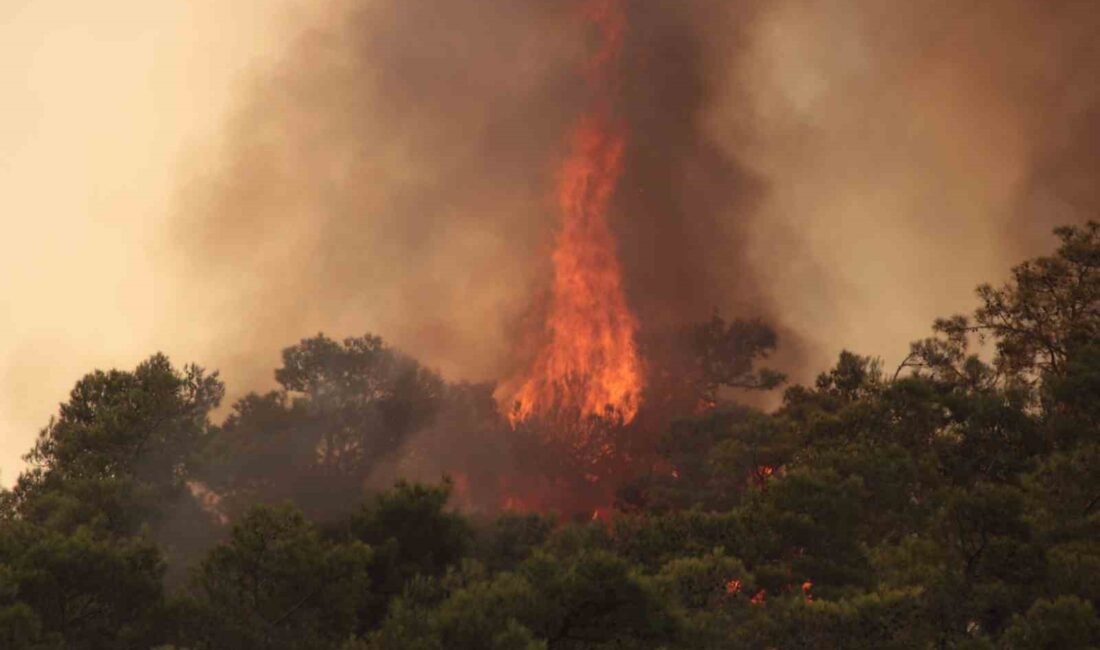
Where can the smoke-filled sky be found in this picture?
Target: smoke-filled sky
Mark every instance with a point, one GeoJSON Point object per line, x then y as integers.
{"type": "Point", "coordinates": [102, 107]}
{"type": "Point", "coordinates": [220, 179]}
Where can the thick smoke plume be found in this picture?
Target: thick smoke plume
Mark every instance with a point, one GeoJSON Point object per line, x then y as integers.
{"type": "Point", "coordinates": [846, 170]}
{"type": "Point", "coordinates": [910, 150]}
{"type": "Point", "coordinates": [396, 174]}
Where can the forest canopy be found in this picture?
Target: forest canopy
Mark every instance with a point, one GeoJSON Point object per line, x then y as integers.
{"type": "Point", "coordinates": [370, 503]}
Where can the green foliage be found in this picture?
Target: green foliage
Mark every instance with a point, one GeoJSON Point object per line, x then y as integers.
{"type": "Point", "coordinates": [512, 537]}
{"type": "Point", "coordinates": [145, 423]}
{"type": "Point", "coordinates": [1066, 623]}
{"type": "Point", "coordinates": [726, 354]}
{"type": "Point", "coordinates": [878, 620]}
{"type": "Point", "coordinates": [342, 407]}
{"type": "Point", "coordinates": [277, 584]}
{"type": "Point", "coordinates": [701, 365]}
{"type": "Point", "coordinates": [652, 540]}
{"type": "Point", "coordinates": [1049, 308]}
{"type": "Point", "coordinates": [362, 387]}
{"type": "Point", "coordinates": [952, 504]}
{"type": "Point", "coordinates": [595, 600]}
{"type": "Point", "coordinates": [590, 601]}
{"type": "Point", "coordinates": [412, 525]}
{"type": "Point", "coordinates": [74, 590]}
{"type": "Point", "coordinates": [1065, 490]}
{"type": "Point", "coordinates": [123, 445]}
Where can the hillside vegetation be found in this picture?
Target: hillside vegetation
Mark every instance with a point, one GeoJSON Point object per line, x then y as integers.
{"type": "Point", "coordinates": [953, 502]}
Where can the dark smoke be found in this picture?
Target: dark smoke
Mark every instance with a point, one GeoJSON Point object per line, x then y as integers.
{"type": "Point", "coordinates": [684, 201]}
{"type": "Point", "coordinates": [846, 170]}
{"type": "Point", "coordinates": [687, 203]}
{"type": "Point", "coordinates": [395, 174]}
{"type": "Point", "coordinates": [914, 149]}
{"type": "Point", "coordinates": [389, 175]}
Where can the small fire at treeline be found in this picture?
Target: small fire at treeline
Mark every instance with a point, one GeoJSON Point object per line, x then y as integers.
{"type": "Point", "coordinates": [589, 364]}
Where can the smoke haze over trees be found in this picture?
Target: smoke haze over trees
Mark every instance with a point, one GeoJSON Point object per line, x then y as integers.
{"type": "Point", "coordinates": [804, 187]}
{"type": "Point", "coordinates": [785, 159]}
{"type": "Point", "coordinates": [952, 502]}
{"type": "Point", "coordinates": [385, 167]}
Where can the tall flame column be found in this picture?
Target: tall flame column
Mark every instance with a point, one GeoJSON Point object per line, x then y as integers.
{"type": "Point", "coordinates": [590, 364]}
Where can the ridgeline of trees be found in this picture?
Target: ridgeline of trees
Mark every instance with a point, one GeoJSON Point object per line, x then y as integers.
{"type": "Point", "coordinates": [951, 503]}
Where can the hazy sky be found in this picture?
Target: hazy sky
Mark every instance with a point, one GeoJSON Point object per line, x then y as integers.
{"type": "Point", "coordinates": [216, 179]}
{"type": "Point", "coordinates": [101, 102]}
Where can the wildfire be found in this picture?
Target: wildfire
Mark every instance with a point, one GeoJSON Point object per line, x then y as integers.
{"type": "Point", "coordinates": [589, 365]}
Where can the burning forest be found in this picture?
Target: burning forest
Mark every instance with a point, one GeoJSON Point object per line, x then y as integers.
{"type": "Point", "coordinates": [587, 380]}
{"type": "Point", "coordinates": [631, 302]}
{"type": "Point", "coordinates": [589, 364]}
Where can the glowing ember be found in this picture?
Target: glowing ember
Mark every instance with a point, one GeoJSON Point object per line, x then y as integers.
{"type": "Point", "coordinates": [589, 365]}
{"type": "Point", "coordinates": [602, 514]}
{"type": "Point", "coordinates": [760, 476]}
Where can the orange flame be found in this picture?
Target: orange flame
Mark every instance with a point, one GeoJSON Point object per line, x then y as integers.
{"type": "Point", "coordinates": [590, 364]}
